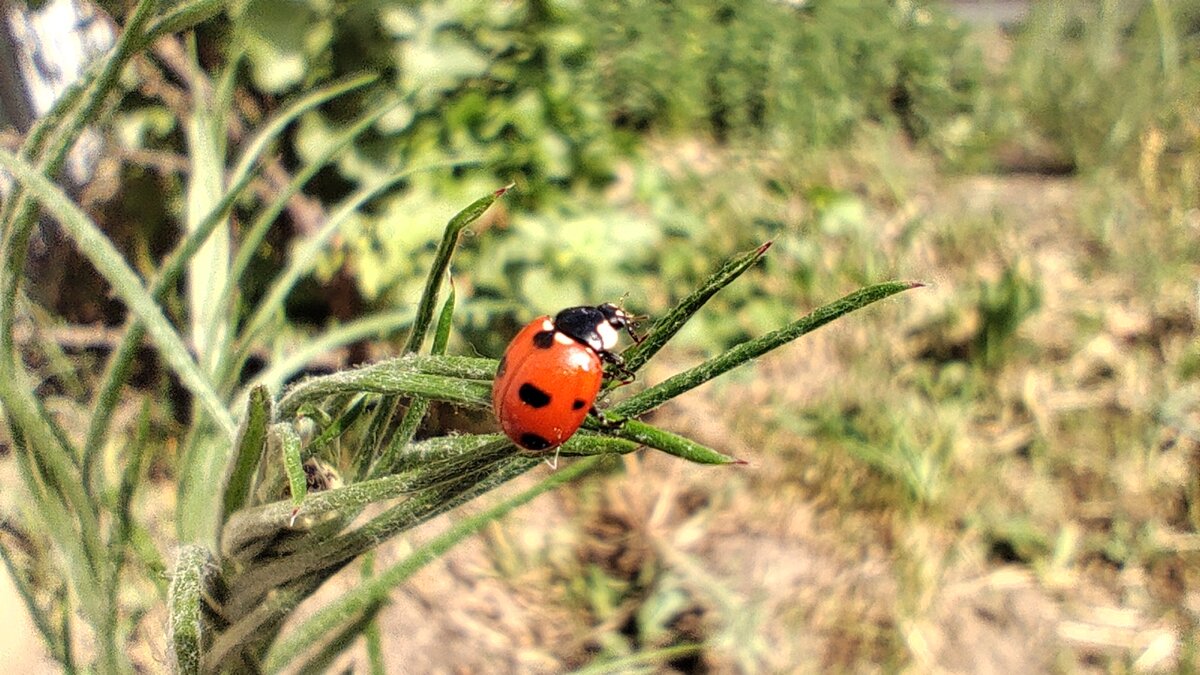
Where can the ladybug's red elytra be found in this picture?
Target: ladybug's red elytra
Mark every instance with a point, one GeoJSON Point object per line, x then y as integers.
{"type": "Point", "coordinates": [551, 373]}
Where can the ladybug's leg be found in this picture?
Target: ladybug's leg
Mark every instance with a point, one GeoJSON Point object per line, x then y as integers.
{"type": "Point", "coordinates": [553, 464]}
{"type": "Point", "coordinates": [629, 328]}
{"type": "Point", "coordinates": [627, 376]}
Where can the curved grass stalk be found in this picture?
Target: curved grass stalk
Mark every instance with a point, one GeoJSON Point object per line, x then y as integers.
{"type": "Point", "coordinates": [257, 231]}
{"type": "Point", "coordinates": [17, 216]}
{"type": "Point", "coordinates": [239, 178]}
{"type": "Point", "coordinates": [441, 262]}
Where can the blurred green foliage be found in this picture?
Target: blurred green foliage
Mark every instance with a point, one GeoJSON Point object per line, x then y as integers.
{"type": "Point", "coordinates": [560, 97]}
{"type": "Point", "coordinates": [1095, 77]}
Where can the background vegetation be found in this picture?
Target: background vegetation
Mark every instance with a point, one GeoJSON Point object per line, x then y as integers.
{"type": "Point", "coordinates": [996, 473]}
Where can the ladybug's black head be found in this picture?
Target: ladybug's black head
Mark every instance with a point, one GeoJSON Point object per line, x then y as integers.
{"type": "Point", "coordinates": [596, 327]}
{"type": "Point", "coordinates": [616, 317]}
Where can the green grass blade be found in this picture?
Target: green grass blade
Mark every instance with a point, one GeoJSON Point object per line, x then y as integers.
{"type": "Point", "coordinates": [674, 386]}
{"type": "Point", "coordinates": [25, 414]}
{"type": "Point", "coordinates": [53, 136]}
{"type": "Point", "coordinates": [50, 140]}
{"type": "Point", "coordinates": [376, 662]}
{"type": "Point", "coordinates": [672, 444]}
{"type": "Point", "coordinates": [107, 260]}
{"type": "Point", "coordinates": [667, 325]}
{"type": "Point", "coordinates": [371, 593]}
{"type": "Point", "coordinates": [118, 367]}
{"type": "Point", "coordinates": [257, 231]}
{"type": "Point", "coordinates": [81, 548]}
{"type": "Point", "coordinates": [209, 267]}
{"type": "Point", "coordinates": [121, 531]}
{"type": "Point", "coordinates": [589, 443]}
{"type": "Point", "coordinates": [239, 178]}
{"type": "Point", "coordinates": [273, 128]}
{"type": "Point", "coordinates": [64, 623]}
{"type": "Point", "coordinates": [319, 663]}
{"type": "Point", "coordinates": [247, 452]}
{"type": "Point", "coordinates": [43, 460]}
{"type": "Point", "coordinates": [17, 215]}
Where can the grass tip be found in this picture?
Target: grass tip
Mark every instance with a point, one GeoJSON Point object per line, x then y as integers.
{"type": "Point", "coordinates": [501, 191]}
{"type": "Point", "coordinates": [918, 284]}
{"type": "Point", "coordinates": [762, 248]}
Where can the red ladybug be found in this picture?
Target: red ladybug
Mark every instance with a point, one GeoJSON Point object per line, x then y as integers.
{"type": "Point", "coordinates": [551, 372]}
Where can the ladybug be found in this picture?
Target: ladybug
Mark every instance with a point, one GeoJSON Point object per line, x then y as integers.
{"type": "Point", "coordinates": [550, 374]}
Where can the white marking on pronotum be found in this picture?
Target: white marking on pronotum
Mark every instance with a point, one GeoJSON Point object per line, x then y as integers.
{"type": "Point", "coordinates": [608, 335]}
{"type": "Point", "coordinates": [563, 339]}
{"type": "Point", "coordinates": [547, 324]}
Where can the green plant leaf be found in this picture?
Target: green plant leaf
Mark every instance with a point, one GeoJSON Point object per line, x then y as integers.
{"type": "Point", "coordinates": [247, 452]}
{"type": "Point", "coordinates": [666, 326]}
{"type": "Point", "coordinates": [675, 385]}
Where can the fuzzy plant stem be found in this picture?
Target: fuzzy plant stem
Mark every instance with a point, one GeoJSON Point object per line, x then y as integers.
{"type": "Point", "coordinates": [375, 589]}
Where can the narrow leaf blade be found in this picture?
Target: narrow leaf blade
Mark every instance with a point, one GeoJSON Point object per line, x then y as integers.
{"type": "Point", "coordinates": [674, 386]}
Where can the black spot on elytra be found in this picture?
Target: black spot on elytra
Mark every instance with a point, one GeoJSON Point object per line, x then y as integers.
{"type": "Point", "coordinates": [503, 366]}
{"type": "Point", "coordinates": [531, 441]}
{"type": "Point", "coordinates": [579, 403]}
{"type": "Point", "coordinates": [544, 339]}
{"type": "Point", "coordinates": [533, 396]}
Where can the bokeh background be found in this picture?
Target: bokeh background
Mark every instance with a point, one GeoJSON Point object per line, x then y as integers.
{"type": "Point", "coordinates": [996, 473]}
